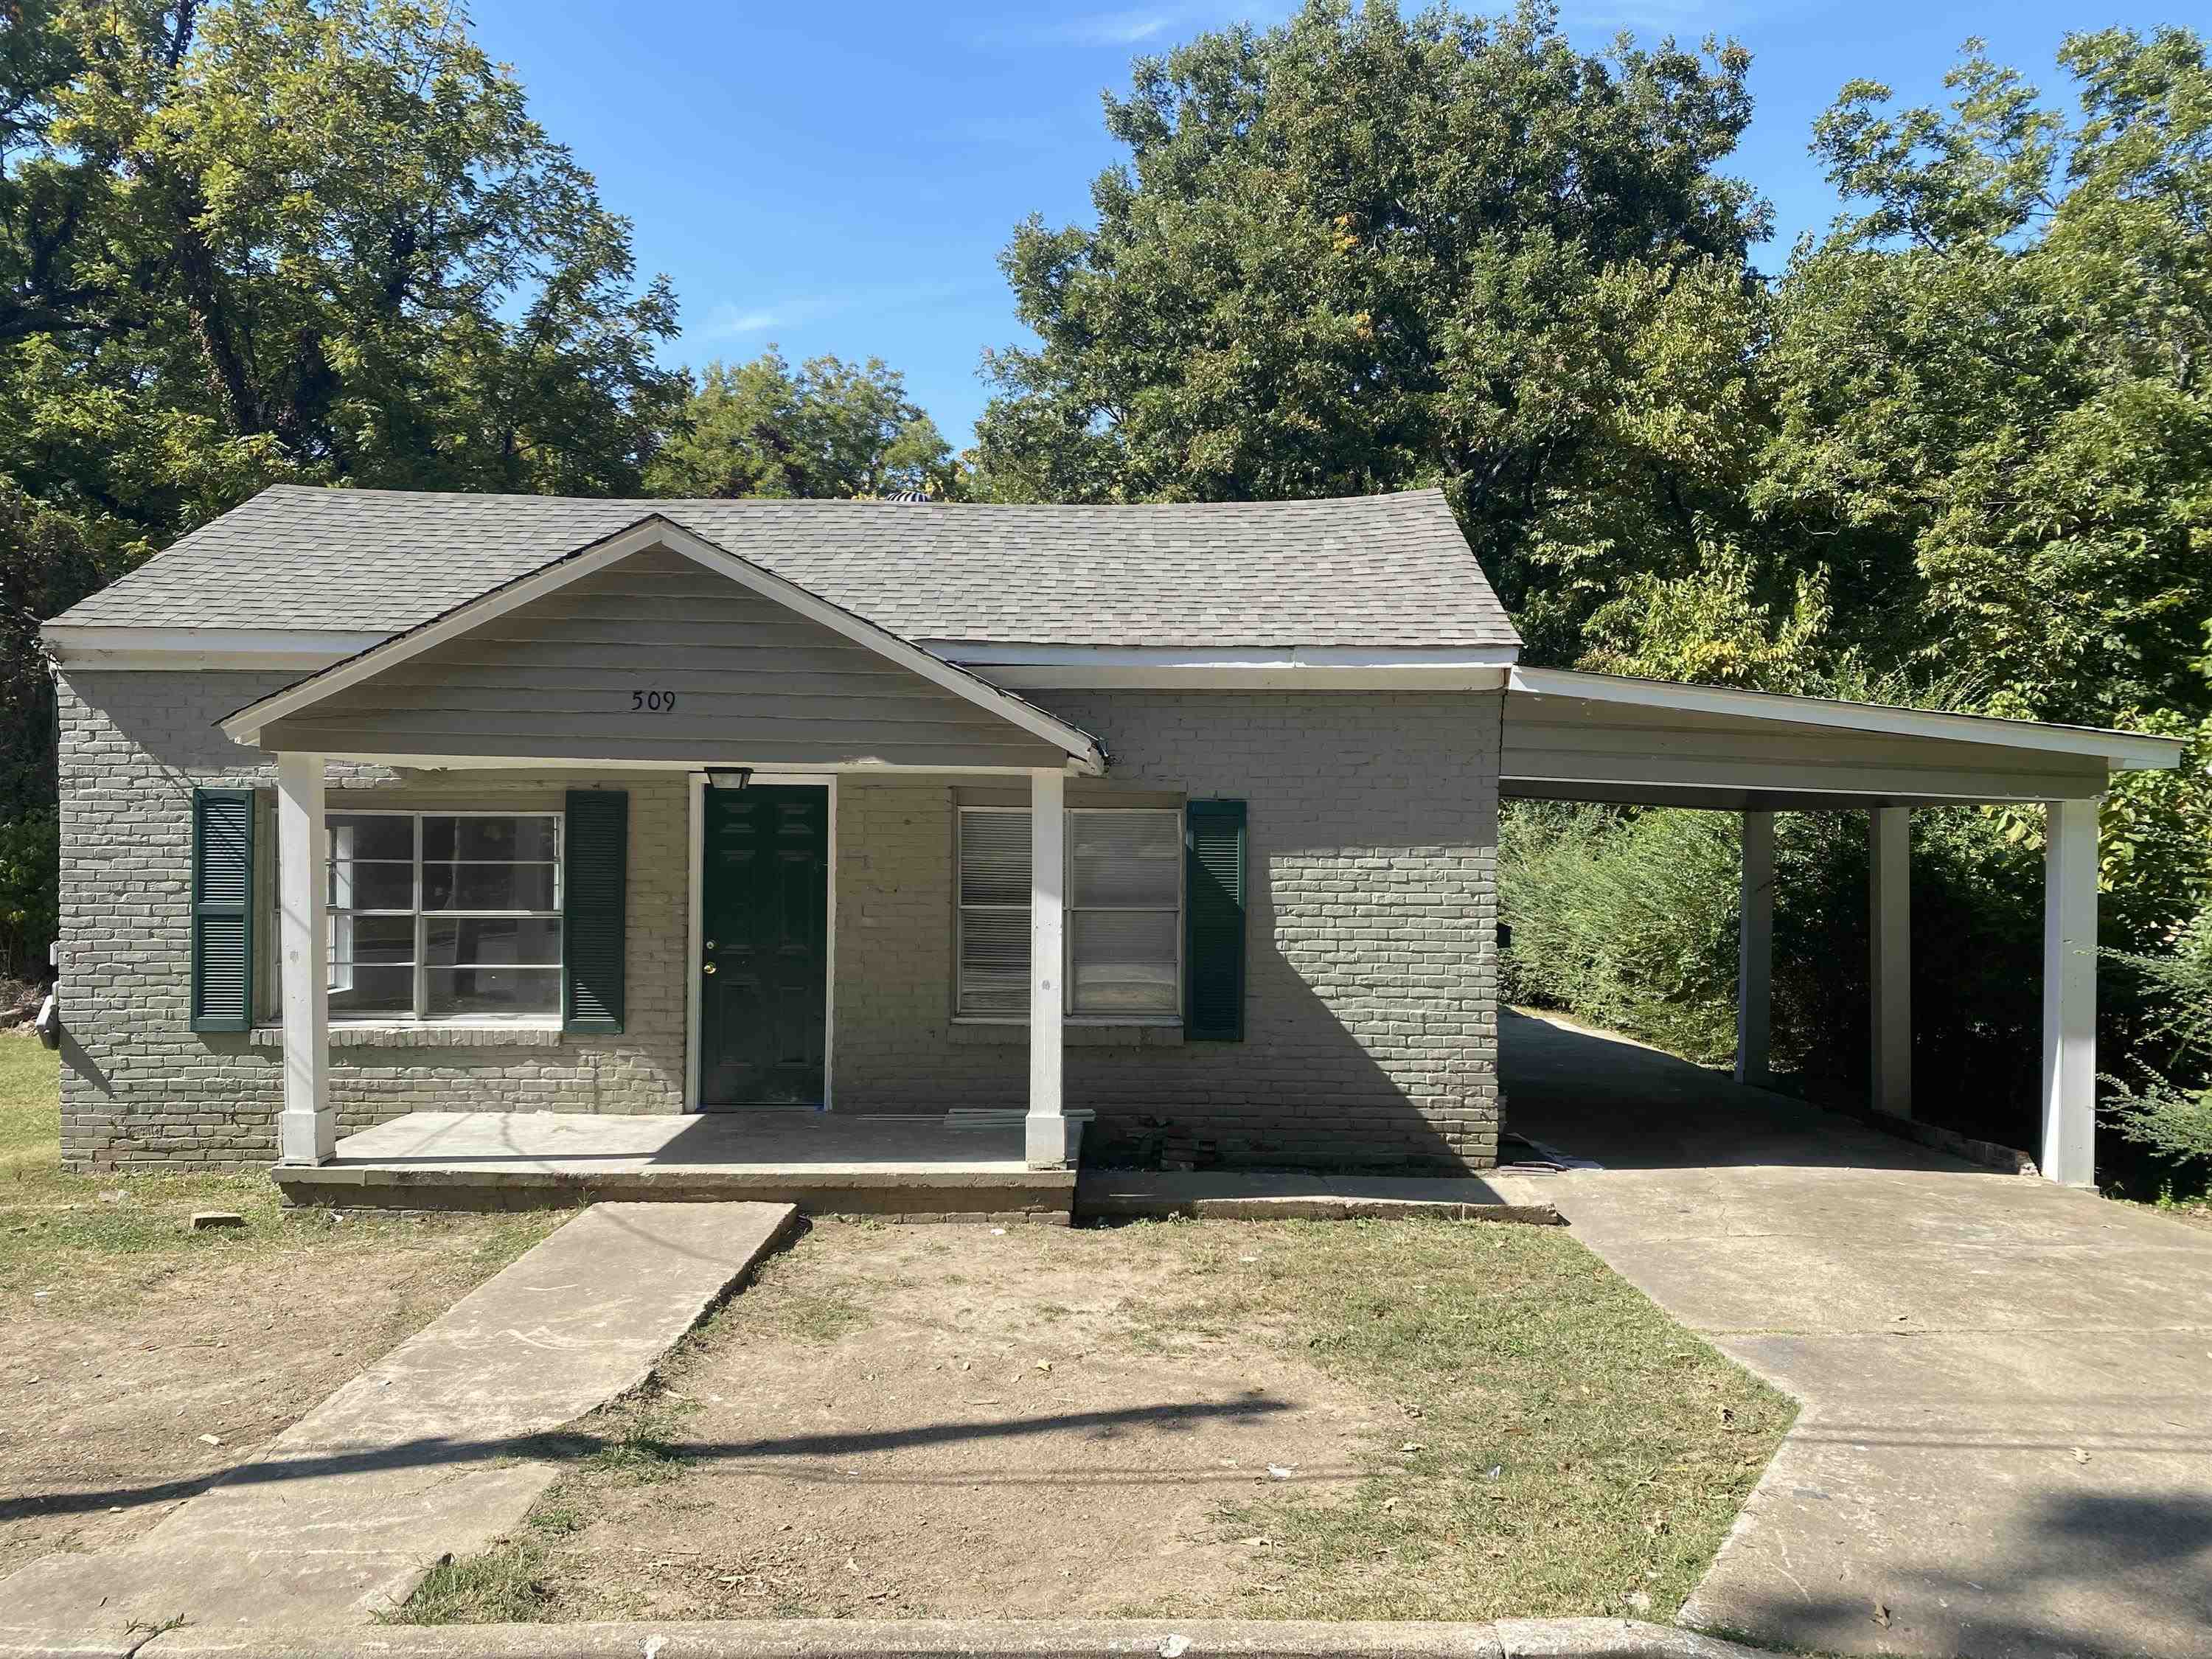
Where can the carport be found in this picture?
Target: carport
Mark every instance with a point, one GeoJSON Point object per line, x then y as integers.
{"type": "Point", "coordinates": [1578, 736]}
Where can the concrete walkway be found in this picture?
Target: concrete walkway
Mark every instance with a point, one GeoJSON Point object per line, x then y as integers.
{"type": "Point", "coordinates": [2005, 1444]}
{"type": "Point", "coordinates": [426, 1453]}
{"type": "Point", "coordinates": [1285, 1195]}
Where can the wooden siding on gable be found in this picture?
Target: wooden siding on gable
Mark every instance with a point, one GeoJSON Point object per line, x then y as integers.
{"type": "Point", "coordinates": [659, 658]}
{"type": "Point", "coordinates": [1612, 746]}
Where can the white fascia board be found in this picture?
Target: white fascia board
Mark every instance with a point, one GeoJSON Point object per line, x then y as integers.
{"type": "Point", "coordinates": [2123, 750]}
{"type": "Point", "coordinates": [302, 651]}
{"type": "Point", "coordinates": [650, 532]}
{"type": "Point", "coordinates": [1252, 678]}
{"type": "Point", "coordinates": [1252, 668]}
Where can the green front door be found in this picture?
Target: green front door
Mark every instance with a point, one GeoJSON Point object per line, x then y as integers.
{"type": "Point", "coordinates": [764, 947]}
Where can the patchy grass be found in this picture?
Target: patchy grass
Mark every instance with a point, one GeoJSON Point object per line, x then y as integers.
{"type": "Point", "coordinates": [501, 1587]}
{"type": "Point", "coordinates": [126, 1337]}
{"type": "Point", "coordinates": [106, 1238]}
{"type": "Point", "coordinates": [1384, 1419]}
{"type": "Point", "coordinates": [1568, 1448]}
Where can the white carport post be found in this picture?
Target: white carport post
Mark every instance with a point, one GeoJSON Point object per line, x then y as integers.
{"type": "Point", "coordinates": [2070, 994]}
{"type": "Point", "coordinates": [1889, 914]}
{"type": "Point", "coordinates": [308, 1129]}
{"type": "Point", "coordinates": [1754, 973]}
{"type": "Point", "coordinates": [1045, 1131]}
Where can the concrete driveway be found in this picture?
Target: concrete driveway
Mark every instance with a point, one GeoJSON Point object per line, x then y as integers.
{"type": "Point", "coordinates": [2006, 1442]}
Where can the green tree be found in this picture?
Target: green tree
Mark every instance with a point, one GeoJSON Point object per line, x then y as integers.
{"type": "Point", "coordinates": [830, 428]}
{"type": "Point", "coordinates": [1362, 252]}
{"type": "Point", "coordinates": [318, 239]}
{"type": "Point", "coordinates": [1993, 378]}
{"type": "Point", "coordinates": [260, 239]}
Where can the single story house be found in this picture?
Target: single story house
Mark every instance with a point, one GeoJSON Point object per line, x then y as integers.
{"type": "Point", "coordinates": [1171, 820]}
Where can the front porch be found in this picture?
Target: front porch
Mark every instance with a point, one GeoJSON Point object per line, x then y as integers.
{"type": "Point", "coordinates": [911, 1168]}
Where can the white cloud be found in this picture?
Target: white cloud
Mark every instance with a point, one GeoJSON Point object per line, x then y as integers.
{"type": "Point", "coordinates": [1138, 26]}
{"type": "Point", "coordinates": [727, 322]}
{"type": "Point", "coordinates": [1115, 29]}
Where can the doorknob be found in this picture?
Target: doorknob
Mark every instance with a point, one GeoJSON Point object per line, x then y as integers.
{"type": "Point", "coordinates": [706, 967]}
{"type": "Point", "coordinates": [710, 945]}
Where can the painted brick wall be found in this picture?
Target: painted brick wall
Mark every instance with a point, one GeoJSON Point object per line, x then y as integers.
{"type": "Point", "coordinates": [1371, 1031]}
{"type": "Point", "coordinates": [140, 1089]}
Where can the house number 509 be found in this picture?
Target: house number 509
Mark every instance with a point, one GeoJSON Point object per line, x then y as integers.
{"type": "Point", "coordinates": [655, 702]}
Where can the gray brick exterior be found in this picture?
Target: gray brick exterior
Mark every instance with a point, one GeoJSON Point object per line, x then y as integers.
{"type": "Point", "coordinates": [1371, 1024]}
{"type": "Point", "coordinates": [141, 1089]}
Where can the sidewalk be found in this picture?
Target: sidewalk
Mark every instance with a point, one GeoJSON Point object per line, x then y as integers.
{"type": "Point", "coordinates": [426, 1453]}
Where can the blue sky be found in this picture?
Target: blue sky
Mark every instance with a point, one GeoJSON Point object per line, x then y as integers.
{"type": "Point", "coordinates": [840, 177]}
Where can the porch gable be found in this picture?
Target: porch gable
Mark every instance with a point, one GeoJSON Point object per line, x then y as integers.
{"type": "Point", "coordinates": [647, 648]}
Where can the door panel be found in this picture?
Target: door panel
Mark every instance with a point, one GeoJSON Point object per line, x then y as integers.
{"type": "Point", "coordinates": [763, 920]}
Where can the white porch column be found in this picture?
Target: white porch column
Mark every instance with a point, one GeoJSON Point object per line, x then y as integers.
{"type": "Point", "coordinates": [1890, 958]}
{"type": "Point", "coordinates": [1754, 974]}
{"type": "Point", "coordinates": [2070, 994]}
{"type": "Point", "coordinates": [1045, 1133]}
{"type": "Point", "coordinates": [308, 1133]}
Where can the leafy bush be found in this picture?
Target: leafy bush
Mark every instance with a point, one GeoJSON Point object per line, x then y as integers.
{"type": "Point", "coordinates": [30, 860]}
{"type": "Point", "coordinates": [2166, 1103]}
{"type": "Point", "coordinates": [1624, 918]}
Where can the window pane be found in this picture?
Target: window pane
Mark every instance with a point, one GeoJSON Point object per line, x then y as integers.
{"type": "Point", "coordinates": [994, 962]}
{"type": "Point", "coordinates": [1125, 858]}
{"type": "Point", "coordinates": [529, 838]}
{"type": "Point", "coordinates": [366, 836]}
{"type": "Point", "coordinates": [995, 858]}
{"type": "Point", "coordinates": [373, 940]}
{"type": "Point", "coordinates": [492, 991]}
{"type": "Point", "coordinates": [488, 941]}
{"type": "Point", "coordinates": [361, 886]}
{"type": "Point", "coordinates": [1124, 961]}
{"type": "Point", "coordinates": [363, 992]}
{"type": "Point", "coordinates": [488, 887]}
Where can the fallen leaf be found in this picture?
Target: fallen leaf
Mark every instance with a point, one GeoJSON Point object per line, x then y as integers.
{"type": "Point", "coordinates": [1881, 1614]}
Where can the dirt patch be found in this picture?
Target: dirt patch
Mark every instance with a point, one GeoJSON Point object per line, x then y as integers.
{"type": "Point", "coordinates": [1391, 1419]}
{"type": "Point", "coordinates": [110, 1379]}
{"type": "Point", "coordinates": [946, 1422]}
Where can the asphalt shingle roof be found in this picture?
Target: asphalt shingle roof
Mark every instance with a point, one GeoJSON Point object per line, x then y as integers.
{"type": "Point", "coordinates": [1374, 570]}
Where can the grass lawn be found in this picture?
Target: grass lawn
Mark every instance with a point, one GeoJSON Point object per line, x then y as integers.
{"type": "Point", "coordinates": [126, 1337]}
{"type": "Point", "coordinates": [1366, 1420]}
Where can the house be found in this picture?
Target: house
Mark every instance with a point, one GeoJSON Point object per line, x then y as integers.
{"type": "Point", "coordinates": [1177, 819]}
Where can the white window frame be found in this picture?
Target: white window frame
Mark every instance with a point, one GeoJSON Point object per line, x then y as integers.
{"type": "Point", "coordinates": [1067, 932]}
{"type": "Point", "coordinates": [419, 997]}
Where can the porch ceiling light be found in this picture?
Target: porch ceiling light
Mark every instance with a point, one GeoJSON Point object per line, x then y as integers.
{"type": "Point", "coordinates": [728, 777]}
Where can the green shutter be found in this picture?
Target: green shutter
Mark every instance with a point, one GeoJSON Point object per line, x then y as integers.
{"type": "Point", "coordinates": [1213, 921]}
{"type": "Point", "coordinates": [595, 887]}
{"type": "Point", "coordinates": [222, 909]}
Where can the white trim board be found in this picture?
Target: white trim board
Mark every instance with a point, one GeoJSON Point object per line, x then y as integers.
{"type": "Point", "coordinates": [222, 649]}
{"type": "Point", "coordinates": [695, 946]}
{"type": "Point", "coordinates": [2123, 750]}
{"type": "Point", "coordinates": [656, 531]}
{"type": "Point", "coordinates": [1256, 668]}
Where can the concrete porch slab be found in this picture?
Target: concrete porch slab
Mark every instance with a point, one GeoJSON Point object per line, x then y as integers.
{"type": "Point", "coordinates": [429, 1451]}
{"type": "Point", "coordinates": [824, 1163]}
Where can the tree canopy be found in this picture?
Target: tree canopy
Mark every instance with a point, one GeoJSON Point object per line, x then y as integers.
{"type": "Point", "coordinates": [1363, 252]}
{"type": "Point", "coordinates": [319, 239]}
{"type": "Point", "coordinates": [827, 429]}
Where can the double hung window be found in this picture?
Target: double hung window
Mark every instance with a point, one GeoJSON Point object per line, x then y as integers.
{"type": "Point", "coordinates": [444, 915]}
{"type": "Point", "coordinates": [1124, 883]}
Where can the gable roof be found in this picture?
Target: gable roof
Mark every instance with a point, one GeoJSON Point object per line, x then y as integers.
{"type": "Point", "coordinates": [1373, 570]}
{"type": "Point", "coordinates": [656, 530]}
